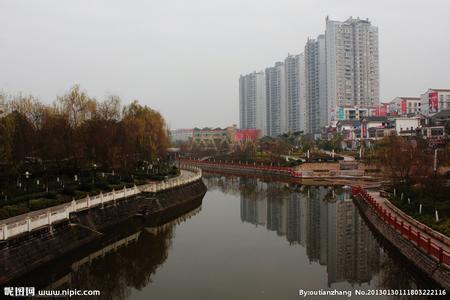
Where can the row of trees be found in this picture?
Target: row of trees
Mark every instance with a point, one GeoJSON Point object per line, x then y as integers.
{"type": "Point", "coordinates": [409, 162]}
{"type": "Point", "coordinates": [78, 130]}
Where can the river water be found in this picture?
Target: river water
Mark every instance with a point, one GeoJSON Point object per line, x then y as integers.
{"type": "Point", "coordinates": [250, 239]}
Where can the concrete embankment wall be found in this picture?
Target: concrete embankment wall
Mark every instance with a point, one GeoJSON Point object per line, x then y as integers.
{"type": "Point", "coordinates": [24, 253]}
{"type": "Point", "coordinates": [430, 267]}
{"type": "Point", "coordinates": [36, 220]}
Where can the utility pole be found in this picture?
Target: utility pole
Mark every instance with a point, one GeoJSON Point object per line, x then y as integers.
{"type": "Point", "coordinates": [435, 162]}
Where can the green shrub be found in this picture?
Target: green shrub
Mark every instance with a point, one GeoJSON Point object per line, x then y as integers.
{"type": "Point", "coordinates": [40, 203]}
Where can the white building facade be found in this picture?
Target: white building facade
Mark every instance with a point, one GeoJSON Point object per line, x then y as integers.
{"type": "Point", "coordinates": [405, 105]}
{"type": "Point", "coordinates": [276, 114]}
{"type": "Point", "coordinates": [181, 135]}
{"type": "Point", "coordinates": [315, 84]}
{"type": "Point", "coordinates": [252, 101]}
{"type": "Point", "coordinates": [295, 93]}
{"type": "Point", "coordinates": [434, 101]}
{"type": "Point", "coordinates": [352, 65]}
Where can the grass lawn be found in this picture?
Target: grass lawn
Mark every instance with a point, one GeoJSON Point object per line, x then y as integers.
{"type": "Point", "coordinates": [442, 205]}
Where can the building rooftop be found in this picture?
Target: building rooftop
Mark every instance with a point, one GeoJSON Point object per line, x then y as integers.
{"type": "Point", "coordinates": [375, 119]}
{"type": "Point", "coordinates": [445, 114]}
{"type": "Point", "coordinates": [407, 98]}
{"type": "Point", "coordinates": [348, 122]}
{"type": "Point", "coordinates": [440, 90]}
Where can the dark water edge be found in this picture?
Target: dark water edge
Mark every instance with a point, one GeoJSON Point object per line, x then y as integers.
{"type": "Point", "coordinates": [40, 249]}
{"type": "Point", "coordinates": [122, 235]}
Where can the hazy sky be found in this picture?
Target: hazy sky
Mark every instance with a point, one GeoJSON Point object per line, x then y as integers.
{"type": "Point", "coordinates": [184, 57]}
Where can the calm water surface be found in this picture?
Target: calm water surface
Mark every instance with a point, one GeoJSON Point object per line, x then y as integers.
{"type": "Point", "coordinates": [250, 239]}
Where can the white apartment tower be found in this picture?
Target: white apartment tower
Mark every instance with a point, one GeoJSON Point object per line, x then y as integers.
{"type": "Point", "coordinates": [276, 100]}
{"type": "Point", "coordinates": [252, 102]}
{"type": "Point", "coordinates": [315, 84]}
{"type": "Point", "coordinates": [352, 65]}
{"type": "Point", "coordinates": [295, 92]}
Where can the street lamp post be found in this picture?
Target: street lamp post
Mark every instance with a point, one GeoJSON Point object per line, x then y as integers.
{"type": "Point", "coordinates": [27, 177]}
{"type": "Point", "coordinates": [94, 167]}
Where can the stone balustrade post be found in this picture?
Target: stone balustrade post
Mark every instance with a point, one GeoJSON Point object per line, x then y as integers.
{"type": "Point", "coordinates": [28, 224]}
{"type": "Point", "coordinates": [5, 231]}
{"type": "Point", "coordinates": [48, 218]}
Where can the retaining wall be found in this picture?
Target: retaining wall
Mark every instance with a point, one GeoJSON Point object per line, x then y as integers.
{"type": "Point", "coordinates": [45, 217]}
{"type": "Point", "coordinates": [428, 265]}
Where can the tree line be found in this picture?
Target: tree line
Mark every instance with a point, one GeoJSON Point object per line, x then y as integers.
{"type": "Point", "coordinates": [78, 131]}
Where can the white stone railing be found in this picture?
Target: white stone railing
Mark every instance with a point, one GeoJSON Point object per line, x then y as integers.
{"type": "Point", "coordinates": [46, 217]}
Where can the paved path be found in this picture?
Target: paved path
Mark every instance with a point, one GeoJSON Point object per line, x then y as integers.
{"type": "Point", "coordinates": [346, 157]}
{"type": "Point", "coordinates": [382, 201]}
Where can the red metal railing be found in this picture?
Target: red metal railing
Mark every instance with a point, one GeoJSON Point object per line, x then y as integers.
{"type": "Point", "coordinates": [247, 166]}
{"type": "Point", "coordinates": [410, 233]}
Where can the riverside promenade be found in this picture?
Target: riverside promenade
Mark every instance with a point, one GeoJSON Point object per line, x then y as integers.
{"type": "Point", "coordinates": [273, 169]}
{"type": "Point", "coordinates": [47, 217]}
{"type": "Point", "coordinates": [426, 248]}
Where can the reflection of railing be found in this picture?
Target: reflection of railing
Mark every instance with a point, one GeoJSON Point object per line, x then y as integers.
{"type": "Point", "coordinates": [429, 247]}
{"type": "Point", "coordinates": [93, 256]}
{"type": "Point", "coordinates": [45, 217]}
{"type": "Point", "coordinates": [114, 246]}
{"type": "Point", "coordinates": [179, 220]}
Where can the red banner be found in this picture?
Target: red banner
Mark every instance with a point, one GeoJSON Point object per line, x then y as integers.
{"type": "Point", "coordinates": [403, 106]}
{"type": "Point", "coordinates": [433, 102]}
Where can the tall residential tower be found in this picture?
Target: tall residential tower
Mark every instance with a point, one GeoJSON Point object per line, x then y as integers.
{"type": "Point", "coordinates": [351, 64]}
{"type": "Point", "coordinates": [252, 102]}
{"type": "Point", "coordinates": [315, 84]}
{"type": "Point", "coordinates": [295, 92]}
{"type": "Point", "coordinates": [276, 100]}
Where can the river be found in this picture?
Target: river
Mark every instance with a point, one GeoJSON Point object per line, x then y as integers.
{"type": "Point", "coordinates": [250, 239]}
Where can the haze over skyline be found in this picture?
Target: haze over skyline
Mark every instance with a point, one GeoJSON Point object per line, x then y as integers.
{"type": "Point", "coordinates": [184, 58]}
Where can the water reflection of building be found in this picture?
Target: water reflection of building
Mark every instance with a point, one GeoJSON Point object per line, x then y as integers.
{"type": "Point", "coordinates": [323, 221]}
{"type": "Point", "coordinates": [352, 249]}
{"type": "Point", "coordinates": [253, 206]}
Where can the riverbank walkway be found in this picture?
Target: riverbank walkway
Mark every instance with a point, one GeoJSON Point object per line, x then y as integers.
{"type": "Point", "coordinates": [46, 217]}
{"type": "Point", "coordinates": [429, 241]}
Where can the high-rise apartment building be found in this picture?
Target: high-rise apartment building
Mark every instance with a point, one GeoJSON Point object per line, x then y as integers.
{"type": "Point", "coordinates": [252, 101]}
{"type": "Point", "coordinates": [351, 64]}
{"type": "Point", "coordinates": [338, 70]}
{"type": "Point", "coordinates": [295, 92]}
{"type": "Point", "coordinates": [276, 113]}
{"type": "Point", "coordinates": [315, 84]}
